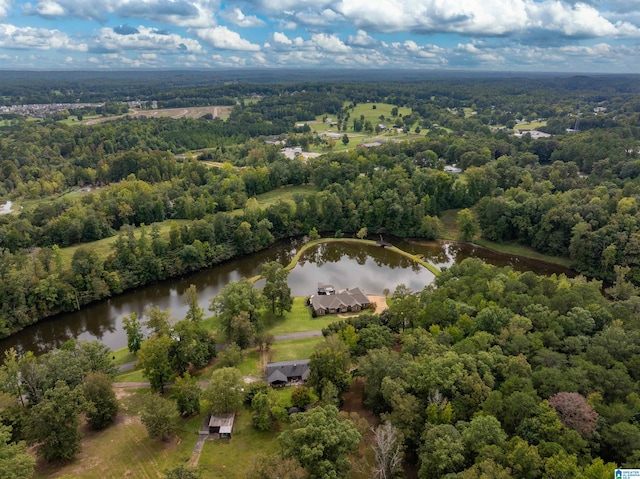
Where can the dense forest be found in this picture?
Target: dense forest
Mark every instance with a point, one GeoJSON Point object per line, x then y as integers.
{"type": "Point", "coordinates": [485, 373]}
{"type": "Point", "coordinates": [504, 374]}
{"type": "Point", "coordinates": [572, 195]}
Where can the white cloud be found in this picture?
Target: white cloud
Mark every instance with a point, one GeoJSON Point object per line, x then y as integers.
{"type": "Point", "coordinates": [225, 39]}
{"type": "Point", "coordinates": [281, 38]}
{"type": "Point", "coordinates": [482, 17]}
{"type": "Point", "coordinates": [235, 16]}
{"type": "Point", "coordinates": [146, 39]}
{"type": "Point", "coordinates": [329, 43]}
{"type": "Point", "coordinates": [361, 39]}
{"type": "Point", "coordinates": [24, 38]}
{"type": "Point", "coordinates": [321, 19]}
{"type": "Point", "coordinates": [4, 8]}
{"type": "Point", "coordinates": [185, 13]}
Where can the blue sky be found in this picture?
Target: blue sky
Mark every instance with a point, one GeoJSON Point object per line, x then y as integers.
{"type": "Point", "coordinates": [498, 35]}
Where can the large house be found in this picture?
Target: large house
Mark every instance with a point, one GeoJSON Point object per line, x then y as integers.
{"type": "Point", "coordinates": [285, 372]}
{"type": "Point", "coordinates": [330, 301]}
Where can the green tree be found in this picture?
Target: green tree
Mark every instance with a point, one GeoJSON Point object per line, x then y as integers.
{"type": "Point", "coordinates": [54, 422]}
{"type": "Point", "coordinates": [269, 467]}
{"type": "Point", "coordinates": [276, 289]}
{"type": "Point", "coordinates": [15, 462]}
{"type": "Point", "coordinates": [186, 392]}
{"type": "Point", "coordinates": [229, 357]}
{"type": "Point", "coordinates": [181, 472]}
{"type": "Point", "coordinates": [442, 452]}
{"type": "Point", "coordinates": [159, 416]}
{"type": "Point", "coordinates": [321, 442]}
{"type": "Point", "coordinates": [225, 392]}
{"type": "Point", "coordinates": [345, 139]}
{"type": "Point", "coordinates": [192, 346]}
{"type": "Point", "coordinates": [466, 224]}
{"type": "Point", "coordinates": [301, 397]}
{"type": "Point", "coordinates": [330, 363]}
{"type": "Point", "coordinates": [133, 328]}
{"type": "Point", "coordinates": [236, 298]}
{"type": "Point", "coordinates": [190, 297]}
{"type": "Point", "coordinates": [261, 412]}
{"type": "Point", "coordinates": [313, 234]}
{"type": "Point", "coordinates": [158, 321]}
{"type": "Point", "coordinates": [101, 405]}
{"type": "Point", "coordinates": [154, 361]}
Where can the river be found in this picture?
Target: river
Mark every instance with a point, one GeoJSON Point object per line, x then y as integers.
{"type": "Point", "coordinates": [344, 265]}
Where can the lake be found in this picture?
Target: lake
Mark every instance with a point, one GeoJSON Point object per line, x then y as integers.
{"type": "Point", "coordinates": [344, 265]}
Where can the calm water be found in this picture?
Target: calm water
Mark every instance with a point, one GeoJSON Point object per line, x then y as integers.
{"type": "Point", "coordinates": [344, 265]}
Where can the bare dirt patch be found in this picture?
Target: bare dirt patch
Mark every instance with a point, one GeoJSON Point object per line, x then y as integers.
{"type": "Point", "coordinates": [380, 300]}
{"type": "Point", "coordinates": [192, 112]}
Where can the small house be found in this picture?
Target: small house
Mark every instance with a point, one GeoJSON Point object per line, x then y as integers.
{"type": "Point", "coordinates": [222, 424]}
{"type": "Point", "coordinates": [286, 372]}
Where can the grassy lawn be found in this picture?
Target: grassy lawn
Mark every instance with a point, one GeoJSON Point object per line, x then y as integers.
{"type": "Point", "coordinates": [134, 376]}
{"type": "Point", "coordinates": [252, 364]}
{"type": "Point", "coordinates": [298, 320]}
{"type": "Point", "coordinates": [534, 125]}
{"type": "Point", "coordinates": [122, 356]}
{"type": "Point", "coordinates": [232, 458]}
{"type": "Point", "coordinates": [272, 197]}
{"type": "Point", "coordinates": [125, 450]}
{"type": "Point", "coordinates": [293, 349]}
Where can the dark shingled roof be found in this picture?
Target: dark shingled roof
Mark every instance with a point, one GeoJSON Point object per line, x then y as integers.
{"type": "Point", "coordinates": [283, 371]}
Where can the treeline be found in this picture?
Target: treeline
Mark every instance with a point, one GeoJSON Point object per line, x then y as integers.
{"type": "Point", "coordinates": [398, 188]}
{"type": "Point", "coordinates": [506, 374]}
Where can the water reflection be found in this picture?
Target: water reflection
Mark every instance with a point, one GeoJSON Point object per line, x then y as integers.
{"type": "Point", "coordinates": [344, 265]}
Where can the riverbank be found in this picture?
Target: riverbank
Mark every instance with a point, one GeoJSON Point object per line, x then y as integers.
{"type": "Point", "coordinates": [313, 243]}
{"type": "Point", "coordinates": [513, 248]}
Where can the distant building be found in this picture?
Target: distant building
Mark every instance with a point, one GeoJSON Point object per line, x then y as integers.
{"type": "Point", "coordinates": [286, 372]}
{"type": "Point", "coordinates": [371, 144]}
{"type": "Point", "coordinates": [535, 134]}
{"type": "Point", "coordinates": [335, 136]}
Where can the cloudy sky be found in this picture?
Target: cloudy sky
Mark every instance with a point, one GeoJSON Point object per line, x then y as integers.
{"type": "Point", "coordinates": [506, 35]}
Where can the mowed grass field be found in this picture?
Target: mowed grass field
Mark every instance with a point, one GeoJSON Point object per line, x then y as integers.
{"type": "Point", "coordinates": [125, 449]}
{"type": "Point", "coordinates": [175, 113]}
{"type": "Point", "coordinates": [534, 125]}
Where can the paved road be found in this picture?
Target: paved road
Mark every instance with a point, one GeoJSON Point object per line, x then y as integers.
{"type": "Point", "coordinates": [302, 335]}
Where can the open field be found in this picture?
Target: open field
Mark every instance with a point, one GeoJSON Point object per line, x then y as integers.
{"type": "Point", "coordinates": [298, 320]}
{"type": "Point", "coordinates": [534, 125]}
{"type": "Point", "coordinates": [294, 349]}
{"type": "Point", "coordinates": [231, 459]}
{"type": "Point", "coordinates": [175, 113]}
{"type": "Point", "coordinates": [125, 450]}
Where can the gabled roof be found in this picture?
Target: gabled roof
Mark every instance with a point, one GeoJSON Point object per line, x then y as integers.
{"type": "Point", "coordinates": [359, 296]}
{"type": "Point", "coordinates": [283, 371]}
{"type": "Point", "coordinates": [277, 376]}
{"type": "Point", "coordinates": [342, 299]}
